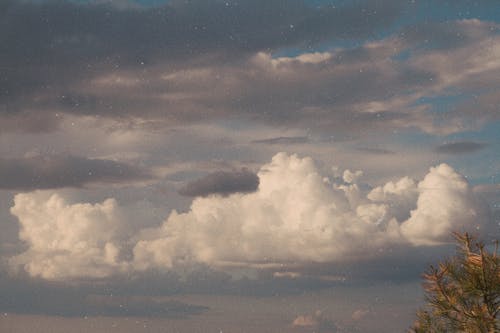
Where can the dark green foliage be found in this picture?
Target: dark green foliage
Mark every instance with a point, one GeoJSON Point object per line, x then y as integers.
{"type": "Point", "coordinates": [462, 293]}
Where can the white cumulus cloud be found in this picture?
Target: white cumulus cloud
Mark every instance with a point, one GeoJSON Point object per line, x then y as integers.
{"type": "Point", "coordinates": [445, 202]}
{"type": "Point", "coordinates": [68, 240]}
{"type": "Point", "coordinates": [295, 216]}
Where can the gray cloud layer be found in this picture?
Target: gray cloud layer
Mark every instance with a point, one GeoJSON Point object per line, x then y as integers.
{"type": "Point", "coordinates": [77, 41]}
{"type": "Point", "coordinates": [222, 182]}
{"type": "Point", "coordinates": [44, 172]}
{"type": "Point", "coordinates": [171, 64]}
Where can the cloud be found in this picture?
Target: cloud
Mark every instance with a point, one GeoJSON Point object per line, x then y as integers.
{"type": "Point", "coordinates": [185, 59]}
{"type": "Point", "coordinates": [315, 322]}
{"type": "Point", "coordinates": [349, 89]}
{"type": "Point", "coordinates": [287, 275]}
{"type": "Point", "coordinates": [199, 60]}
{"type": "Point", "coordinates": [376, 151]}
{"type": "Point", "coordinates": [56, 171]}
{"type": "Point", "coordinates": [296, 216]}
{"type": "Point", "coordinates": [69, 240]}
{"type": "Point", "coordinates": [352, 176]}
{"type": "Point", "coordinates": [446, 202]}
{"type": "Point", "coordinates": [359, 314]}
{"type": "Point", "coordinates": [462, 147]}
{"type": "Point", "coordinates": [29, 121]}
{"type": "Point", "coordinates": [284, 140]}
{"type": "Point", "coordinates": [401, 197]}
{"type": "Point", "coordinates": [223, 183]}
{"type": "Point", "coordinates": [75, 42]}
{"type": "Point", "coordinates": [304, 321]}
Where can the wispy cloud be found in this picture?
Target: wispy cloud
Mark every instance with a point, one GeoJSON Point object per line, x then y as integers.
{"type": "Point", "coordinates": [462, 147]}
{"type": "Point", "coordinates": [283, 140]}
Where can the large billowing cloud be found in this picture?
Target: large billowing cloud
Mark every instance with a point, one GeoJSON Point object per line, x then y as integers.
{"type": "Point", "coordinates": [297, 215]}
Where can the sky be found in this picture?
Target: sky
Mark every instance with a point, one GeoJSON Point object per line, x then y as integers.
{"type": "Point", "coordinates": [240, 166]}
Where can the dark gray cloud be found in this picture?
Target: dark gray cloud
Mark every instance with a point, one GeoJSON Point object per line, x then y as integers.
{"type": "Point", "coordinates": [462, 147]}
{"type": "Point", "coordinates": [283, 140]}
{"type": "Point", "coordinates": [223, 183]}
{"type": "Point", "coordinates": [44, 172]}
{"type": "Point", "coordinates": [376, 151]}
